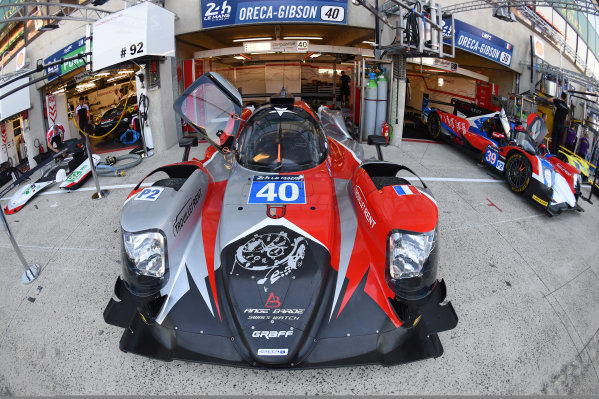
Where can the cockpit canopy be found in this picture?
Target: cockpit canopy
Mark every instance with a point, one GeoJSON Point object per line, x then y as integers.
{"type": "Point", "coordinates": [287, 139]}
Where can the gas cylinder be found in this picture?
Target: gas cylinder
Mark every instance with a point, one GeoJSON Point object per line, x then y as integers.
{"type": "Point", "coordinates": [381, 103]}
{"type": "Point", "coordinates": [370, 100]}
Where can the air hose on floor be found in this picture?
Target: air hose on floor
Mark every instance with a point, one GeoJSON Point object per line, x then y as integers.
{"type": "Point", "coordinates": [106, 168]}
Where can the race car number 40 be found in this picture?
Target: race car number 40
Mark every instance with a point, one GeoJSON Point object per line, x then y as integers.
{"type": "Point", "coordinates": [492, 158]}
{"type": "Point", "coordinates": [277, 190]}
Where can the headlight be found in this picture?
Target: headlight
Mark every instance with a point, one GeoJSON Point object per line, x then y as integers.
{"type": "Point", "coordinates": [411, 269]}
{"type": "Point", "coordinates": [146, 252]}
{"type": "Point", "coordinates": [408, 253]}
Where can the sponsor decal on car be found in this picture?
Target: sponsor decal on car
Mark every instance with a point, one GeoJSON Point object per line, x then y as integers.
{"type": "Point", "coordinates": [272, 352]}
{"type": "Point", "coordinates": [274, 314]}
{"type": "Point", "coordinates": [273, 255]}
{"type": "Point", "coordinates": [540, 201]}
{"type": "Point", "coordinates": [185, 212]}
{"type": "Point", "coordinates": [272, 334]}
{"type": "Point", "coordinates": [273, 301]}
{"type": "Point", "coordinates": [275, 211]}
{"type": "Point", "coordinates": [360, 199]}
{"type": "Point", "coordinates": [455, 123]}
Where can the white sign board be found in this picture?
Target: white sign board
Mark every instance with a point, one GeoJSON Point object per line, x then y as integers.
{"type": "Point", "coordinates": [280, 46]}
{"type": "Point", "coordinates": [138, 31]}
{"type": "Point", "coordinates": [16, 102]}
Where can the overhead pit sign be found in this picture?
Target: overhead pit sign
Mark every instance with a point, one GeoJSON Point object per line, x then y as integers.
{"type": "Point", "coordinates": [479, 42]}
{"type": "Point", "coordinates": [234, 12]}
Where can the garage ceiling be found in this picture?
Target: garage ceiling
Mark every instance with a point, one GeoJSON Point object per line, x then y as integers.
{"type": "Point", "coordinates": [334, 35]}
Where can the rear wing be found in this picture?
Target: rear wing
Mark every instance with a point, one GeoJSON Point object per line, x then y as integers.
{"type": "Point", "coordinates": [465, 108]}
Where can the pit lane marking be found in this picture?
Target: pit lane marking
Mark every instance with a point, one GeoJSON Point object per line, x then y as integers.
{"type": "Point", "coordinates": [118, 186]}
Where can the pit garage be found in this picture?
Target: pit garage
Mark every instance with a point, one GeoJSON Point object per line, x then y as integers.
{"type": "Point", "coordinates": [210, 247]}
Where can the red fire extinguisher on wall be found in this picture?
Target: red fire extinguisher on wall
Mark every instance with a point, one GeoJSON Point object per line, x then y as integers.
{"type": "Point", "coordinates": [386, 130]}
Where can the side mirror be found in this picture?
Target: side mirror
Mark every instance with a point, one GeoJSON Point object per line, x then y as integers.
{"type": "Point", "coordinates": [377, 140]}
{"type": "Point", "coordinates": [187, 142]}
{"type": "Point", "coordinates": [498, 136]}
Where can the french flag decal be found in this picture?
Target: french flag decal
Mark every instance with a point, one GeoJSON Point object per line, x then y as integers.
{"type": "Point", "coordinates": [508, 46]}
{"type": "Point", "coordinates": [405, 189]}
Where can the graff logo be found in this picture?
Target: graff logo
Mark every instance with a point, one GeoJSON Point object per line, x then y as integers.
{"type": "Point", "coordinates": [273, 253]}
{"type": "Point", "coordinates": [186, 211]}
{"type": "Point", "coordinates": [272, 334]}
{"type": "Point", "coordinates": [273, 301]}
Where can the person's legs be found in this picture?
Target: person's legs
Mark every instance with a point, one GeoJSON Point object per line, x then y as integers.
{"type": "Point", "coordinates": [556, 137]}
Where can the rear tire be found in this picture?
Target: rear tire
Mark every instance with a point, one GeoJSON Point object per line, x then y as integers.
{"type": "Point", "coordinates": [518, 172]}
{"type": "Point", "coordinates": [433, 126]}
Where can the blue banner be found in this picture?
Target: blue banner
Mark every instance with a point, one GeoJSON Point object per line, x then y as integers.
{"type": "Point", "coordinates": [218, 13]}
{"type": "Point", "coordinates": [477, 41]}
{"type": "Point", "coordinates": [57, 56]}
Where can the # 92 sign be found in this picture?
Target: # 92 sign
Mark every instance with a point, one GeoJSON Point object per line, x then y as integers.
{"type": "Point", "coordinates": [277, 190]}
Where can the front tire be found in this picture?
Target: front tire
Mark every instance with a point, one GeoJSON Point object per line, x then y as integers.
{"type": "Point", "coordinates": [433, 126]}
{"type": "Point", "coordinates": [518, 172]}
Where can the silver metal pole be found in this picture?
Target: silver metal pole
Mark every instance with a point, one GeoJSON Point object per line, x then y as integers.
{"type": "Point", "coordinates": [31, 272]}
{"type": "Point", "coordinates": [99, 192]}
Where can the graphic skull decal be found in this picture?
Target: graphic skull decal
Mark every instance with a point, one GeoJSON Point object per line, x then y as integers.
{"type": "Point", "coordinates": [274, 253]}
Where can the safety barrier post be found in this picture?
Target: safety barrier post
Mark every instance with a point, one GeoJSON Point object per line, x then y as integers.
{"type": "Point", "coordinates": [99, 192]}
{"type": "Point", "coordinates": [31, 272]}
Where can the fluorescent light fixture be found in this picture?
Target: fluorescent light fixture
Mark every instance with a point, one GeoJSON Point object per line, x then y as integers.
{"type": "Point", "coordinates": [238, 57]}
{"type": "Point", "coordinates": [252, 39]}
{"type": "Point", "coordinates": [103, 74]}
{"type": "Point", "coordinates": [115, 78]}
{"type": "Point", "coordinates": [315, 55]}
{"type": "Point", "coordinates": [125, 72]}
{"type": "Point", "coordinates": [60, 90]}
{"type": "Point", "coordinates": [369, 42]}
{"type": "Point", "coordinates": [302, 38]}
{"type": "Point", "coordinates": [440, 82]}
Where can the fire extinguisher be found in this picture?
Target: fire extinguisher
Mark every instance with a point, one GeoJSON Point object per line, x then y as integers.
{"type": "Point", "coordinates": [37, 143]}
{"type": "Point", "coordinates": [386, 130]}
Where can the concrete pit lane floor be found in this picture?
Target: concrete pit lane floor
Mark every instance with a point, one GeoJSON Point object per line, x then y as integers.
{"type": "Point", "coordinates": [524, 285]}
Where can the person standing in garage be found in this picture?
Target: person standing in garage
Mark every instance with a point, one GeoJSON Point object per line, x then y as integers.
{"type": "Point", "coordinates": [82, 115]}
{"type": "Point", "coordinates": [559, 121]}
{"type": "Point", "coordinates": [344, 89]}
